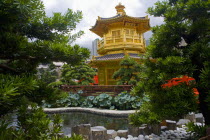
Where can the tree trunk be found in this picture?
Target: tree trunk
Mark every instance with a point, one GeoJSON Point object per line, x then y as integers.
{"type": "Point", "coordinates": [203, 106]}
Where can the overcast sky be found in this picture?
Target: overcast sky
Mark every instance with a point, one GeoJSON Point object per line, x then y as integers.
{"type": "Point", "coordinates": [91, 9]}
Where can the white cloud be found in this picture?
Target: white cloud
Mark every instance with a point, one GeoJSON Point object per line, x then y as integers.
{"type": "Point", "coordinates": [91, 9]}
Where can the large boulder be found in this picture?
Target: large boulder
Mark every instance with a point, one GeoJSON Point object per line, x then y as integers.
{"type": "Point", "coordinates": [182, 122]}
{"type": "Point", "coordinates": [82, 129]}
{"type": "Point", "coordinates": [171, 125]}
{"type": "Point", "coordinates": [122, 133]}
{"type": "Point", "coordinates": [111, 134]}
{"type": "Point", "coordinates": [99, 133]}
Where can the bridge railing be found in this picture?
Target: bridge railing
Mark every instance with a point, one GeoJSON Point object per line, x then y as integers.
{"type": "Point", "coordinates": [94, 90]}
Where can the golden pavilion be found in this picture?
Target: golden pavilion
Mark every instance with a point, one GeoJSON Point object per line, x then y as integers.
{"type": "Point", "coordinates": [121, 35]}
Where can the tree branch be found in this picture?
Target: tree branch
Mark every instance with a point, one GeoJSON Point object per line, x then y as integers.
{"type": "Point", "coordinates": [7, 68]}
{"type": "Point", "coordinates": [17, 57]}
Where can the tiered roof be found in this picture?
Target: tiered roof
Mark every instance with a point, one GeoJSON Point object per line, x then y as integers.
{"type": "Point", "coordinates": [102, 24]}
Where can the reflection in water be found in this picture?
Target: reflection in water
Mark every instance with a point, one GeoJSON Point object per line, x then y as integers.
{"type": "Point", "coordinates": [75, 118]}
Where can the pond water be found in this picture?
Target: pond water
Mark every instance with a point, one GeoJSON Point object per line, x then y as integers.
{"type": "Point", "coordinates": [75, 118]}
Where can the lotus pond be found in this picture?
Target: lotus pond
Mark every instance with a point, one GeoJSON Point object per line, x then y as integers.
{"type": "Point", "coordinates": [75, 118]}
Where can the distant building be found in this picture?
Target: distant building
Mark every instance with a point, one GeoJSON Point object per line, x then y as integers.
{"type": "Point", "coordinates": [147, 42]}
{"type": "Point", "coordinates": [94, 47]}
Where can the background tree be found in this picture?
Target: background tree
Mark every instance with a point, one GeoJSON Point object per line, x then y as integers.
{"type": "Point", "coordinates": [80, 74]}
{"type": "Point", "coordinates": [178, 47]}
{"type": "Point", "coordinates": [29, 38]}
{"type": "Point", "coordinates": [48, 74]}
{"type": "Point", "coordinates": [128, 73]}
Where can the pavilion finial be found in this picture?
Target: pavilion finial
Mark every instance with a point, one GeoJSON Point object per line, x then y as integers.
{"type": "Point", "coordinates": [120, 9]}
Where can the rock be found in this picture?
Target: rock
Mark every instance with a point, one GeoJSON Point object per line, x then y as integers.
{"type": "Point", "coordinates": [155, 128]}
{"type": "Point", "coordinates": [182, 122]}
{"type": "Point", "coordinates": [99, 133]}
{"type": "Point", "coordinates": [132, 130]}
{"type": "Point", "coordinates": [144, 130]}
{"type": "Point", "coordinates": [122, 133]}
{"type": "Point", "coordinates": [171, 125]}
{"type": "Point", "coordinates": [61, 135]}
{"type": "Point", "coordinates": [163, 128]}
{"type": "Point", "coordinates": [190, 116]}
{"type": "Point", "coordinates": [146, 137]}
{"type": "Point", "coordinates": [199, 120]}
{"type": "Point", "coordinates": [123, 138]}
{"type": "Point", "coordinates": [117, 138]}
{"type": "Point", "coordinates": [141, 137]}
{"type": "Point", "coordinates": [198, 115]}
{"type": "Point", "coordinates": [136, 138]}
{"type": "Point", "coordinates": [83, 129]}
{"type": "Point", "coordinates": [111, 134]}
{"type": "Point", "coordinates": [130, 136]}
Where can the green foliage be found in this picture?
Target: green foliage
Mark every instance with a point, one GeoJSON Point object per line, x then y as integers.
{"type": "Point", "coordinates": [75, 137]}
{"type": "Point", "coordinates": [127, 74]}
{"type": "Point", "coordinates": [33, 124]}
{"type": "Point", "coordinates": [103, 101]}
{"type": "Point", "coordinates": [144, 116]}
{"type": "Point", "coordinates": [124, 101]}
{"type": "Point", "coordinates": [12, 88]}
{"type": "Point", "coordinates": [88, 102]}
{"type": "Point", "coordinates": [72, 100]}
{"type": "Point", "coordinates": [28, 37]}
{"type": "Point", "coordinates": [197, 130]}
{"type": "Point", "coordinates": [178, 47]}
{"type": "Point", "coordinates": [49, 74]}
{"type": "Point", "coordinates": [82, 73]}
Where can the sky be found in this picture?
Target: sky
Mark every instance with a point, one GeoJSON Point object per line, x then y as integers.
{"type": "Point", "coordinates": [91, 9]}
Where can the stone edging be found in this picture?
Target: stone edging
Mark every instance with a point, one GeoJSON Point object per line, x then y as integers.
{"type": "Point", "coordinates": [105, 112]}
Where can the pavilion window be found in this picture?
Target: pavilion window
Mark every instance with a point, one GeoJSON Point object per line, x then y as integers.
{"type": "Point", "coordinates": [116, 33]}
{"type": "Point", "coordinates": [129, 32]}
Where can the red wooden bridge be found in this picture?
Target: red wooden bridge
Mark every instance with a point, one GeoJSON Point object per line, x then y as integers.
{"type": "Point", "coordinates": [94, 90]}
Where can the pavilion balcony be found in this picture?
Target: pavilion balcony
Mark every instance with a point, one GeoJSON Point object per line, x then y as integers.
{"type": "Point", "coordinates": [120, 39]}
{"type": "Point", "coordinates": [116, 43]}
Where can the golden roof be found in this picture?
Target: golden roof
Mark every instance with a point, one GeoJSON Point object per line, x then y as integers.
{"type": "Point", "coordinates": [102, 24]}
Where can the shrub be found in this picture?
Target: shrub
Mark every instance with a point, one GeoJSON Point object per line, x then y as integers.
{"type": "Point", "coordinates": [144, 116]}
{"type": "Point", "coordinates": [197, 130]}
{"type": "Point", "coordinates": [125, 101]}
{"type": "Point", "coordinates": [33, 124]}
{"type": "Point", "coordinates": [88, 102]}
{"type": "Point", "coordinates": [72, 100]}
{"type": "Point", "coordinates": [103, 101]}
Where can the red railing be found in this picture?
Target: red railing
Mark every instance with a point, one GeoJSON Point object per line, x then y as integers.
{"type": "Point", "coordinates": [94, 90]}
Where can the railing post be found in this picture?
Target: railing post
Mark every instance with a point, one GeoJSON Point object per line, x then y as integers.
{"type": "Point", "coordinates": [124, 38]}
{"type": "Point", "coordinates": [104, 39]}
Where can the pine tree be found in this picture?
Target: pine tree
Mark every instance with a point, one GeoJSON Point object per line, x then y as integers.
{"type": "Point", "coordinates": [128, 73]}
{"type": "Point", "coordinates": [81, 73]}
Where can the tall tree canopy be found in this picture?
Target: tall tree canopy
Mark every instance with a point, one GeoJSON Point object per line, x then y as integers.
{"type": "Point", "coordinates": [178, 47]}
{"type": "Point", "coordinates": [28, 37]}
